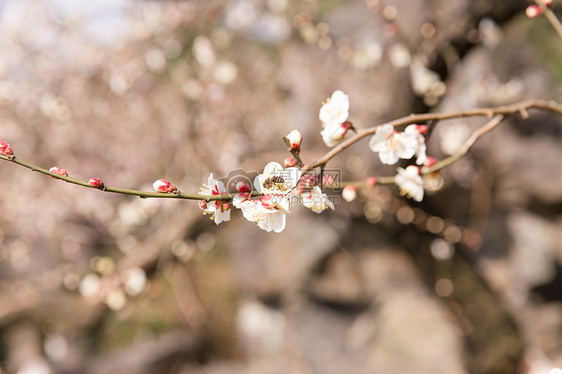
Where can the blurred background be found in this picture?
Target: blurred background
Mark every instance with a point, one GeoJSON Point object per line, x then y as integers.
{"type": "Point", "coordinates": [468, 281]}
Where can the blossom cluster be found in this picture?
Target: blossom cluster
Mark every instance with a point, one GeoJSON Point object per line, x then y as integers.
{"type": "Point", "coordinates": [390, 144]}
{"type": "Point", "coordinates": [269, 210]}
{"type": "Point", "coordinates": [269, 200]}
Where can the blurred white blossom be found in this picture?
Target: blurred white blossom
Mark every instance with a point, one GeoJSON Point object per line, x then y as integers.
{"type": "Point", "coordinates": [452, 136]}
{"type": "Point", "coordinates": [410, 182]}
{"type": "Point", "coordinates": [135, 281]}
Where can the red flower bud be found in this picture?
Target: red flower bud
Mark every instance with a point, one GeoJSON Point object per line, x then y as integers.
{"type": "Point", "coordinates": [371, 181]}
{"type": "Point", "coordinates": [59, 171]}
{"type": "Point", "coordinates": [533, 11]}
{"type": "Point", "coordinates": [347, 125]}
{"type": "Point", "coordinates": [96, 182]}
{"type": "Point", "coordinates": [162, 185]}
{"type": "Point", "coordinates": [290, 162]}
{"type": "Point", "coordinates": [422, 129]}
{"type": "Point", "coordinates": [5, 149]}
{"type": "Point", "coordinates": [243, 187]}
{"type": "Point", "coordinates": [430, 161]}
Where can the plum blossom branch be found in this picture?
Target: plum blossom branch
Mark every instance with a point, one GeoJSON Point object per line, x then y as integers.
{"type": "Point", "coordinates": [277, 187]}
{"type": "Point", "coordinates": [505, 111]}
{"type": "Point", "coordinates": [123, 191]}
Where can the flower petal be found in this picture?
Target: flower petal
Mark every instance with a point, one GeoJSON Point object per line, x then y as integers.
{"type": "Point", "coordinates": [272, 168]}
{"type": "Point", "coordinates": [222, 216]}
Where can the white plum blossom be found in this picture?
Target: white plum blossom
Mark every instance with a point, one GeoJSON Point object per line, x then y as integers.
{"type": "Point", "coordinates": [335, 109]}
{"type": "Point", "coordinates": [417, 132]}
{"type": "Point", "coordinates": [333, 133]}
{"type": "Point", "coordinates": [269, 211]}
{"type": "Point", "coordinates": [265, 212]}
{"type": "Point", "coordinates": [316, 200]}
{"type": "Point", "coordinates": [220, 210]}
{"type": "Point", "coordinates": [410, 182]}
{"type": "Point", "coordinates": [392, 145]}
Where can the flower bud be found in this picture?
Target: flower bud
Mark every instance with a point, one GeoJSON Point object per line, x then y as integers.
{"type": "Point", "coordinates": [96, 182]}
{"type": "Point", "coordinates": [349, 193]}
{"type": "Point", "coordinates": [203, 205]}
{"type": "Point", "coordinates": [432, 181]}
{"type": "Point", "coordinates": [548, 3]}
{"type": "Point", "coordinates": [295, 140]}
{"type": "Point", "coordinates": [290, 162]}
{"type": "Point", "coordinates": [242, 187]}
{"type": "Point", "coordinates": [371, 181]}
{"type": "Point", "coordinates": [430, 161]}
{"type": "Point", "coordinates": [5, 149]}
{"type": "Point", "coordinates": [413, 169]}
{"type": "Point", "coordinates": [420, 129]}
{"type": "Point", "coordinates": [162, 185]}
{"type": "Point", "coordinates": [59, 171]}
{"type": "Point", "coordinates": [533, 11]}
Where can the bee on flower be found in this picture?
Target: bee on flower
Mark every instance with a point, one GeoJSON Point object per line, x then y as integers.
{"type": "Point", "coordinates": [274, 184]}
{"type": "Point", "coordinates": [275, 180]}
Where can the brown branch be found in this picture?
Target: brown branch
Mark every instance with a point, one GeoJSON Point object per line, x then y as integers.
{"type": "Point", "coordinates": [467, 146]}
{"type": "Point", "coordinates": [505, 110]}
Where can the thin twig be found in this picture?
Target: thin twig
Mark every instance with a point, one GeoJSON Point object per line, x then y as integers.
{"type": "Point", "coordinates": [123, 191]}
{"type": "Point", "coordinates": [550, 16]}
{"type": "Point", "coordinates": [417, 118]}
{"type": "Point", "coordinates": [467, 146]}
